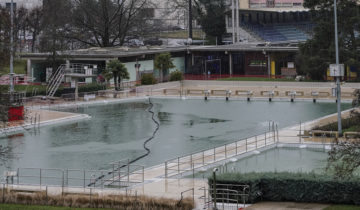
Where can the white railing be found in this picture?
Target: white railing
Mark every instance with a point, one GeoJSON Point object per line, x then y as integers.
{"type": "Point", "coordinates": [189, 163]}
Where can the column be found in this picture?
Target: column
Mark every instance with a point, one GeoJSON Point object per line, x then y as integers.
{"type": "Point", "coordinates": [231, 67]}
{"type": "Point", "coordinates": [269, 64]}
{"type": "Point", "coordinates": [28, 68]}
{"type": "Point", "coordinates": [237, 21]}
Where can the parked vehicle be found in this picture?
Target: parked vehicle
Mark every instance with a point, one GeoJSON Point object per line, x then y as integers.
{"type": "Point", "coordinates": [153, 41]}
{"type": "Point", "coordinates": [134, 43]}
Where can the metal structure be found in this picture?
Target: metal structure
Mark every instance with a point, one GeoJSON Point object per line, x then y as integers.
{"type": "Point", "coordinates": [190, 163]}
{"type": "Point", "coordinates": [12, 47]}
{"type": "Point", "coordinates": [338, 92]}
{"type": "Point", "coordinates": [74, 71]}
{"type": "Point", "coordinates": [77, 178]}
{"type": "Point", "coordinates": [229, 196]}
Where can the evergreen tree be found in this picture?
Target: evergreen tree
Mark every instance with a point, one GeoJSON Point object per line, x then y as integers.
{"type": "Point", "coordinates": [317, 53]}
{"type": "Point", "coordinates": [211, 16]}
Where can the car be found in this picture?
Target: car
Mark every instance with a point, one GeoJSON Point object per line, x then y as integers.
{"type": "Point", "coordinates": [134, 43]}
{"type": "Point", "coordinates": [153, 41]}
{"type": "Point", "coordinates": [177, 28]}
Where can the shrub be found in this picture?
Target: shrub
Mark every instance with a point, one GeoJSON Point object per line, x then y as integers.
{"type": "Point", "coordinates": [296, 187]}
{"type": "Point", "coordinates": [148, 79]}
{"type": "Point", "coordinates": [41, 89]}
{"type": "Point", "coordinates": [176, 76]}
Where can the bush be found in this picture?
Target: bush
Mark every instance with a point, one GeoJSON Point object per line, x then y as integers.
{"type": "Point", "coordinates": [176, 76]}
{"type": "Point", "coordinates": [148, 79]}
{"type": "Point", "coordinates": [41, 89]}
{"type": "Point", "coordinates": [295, 187]}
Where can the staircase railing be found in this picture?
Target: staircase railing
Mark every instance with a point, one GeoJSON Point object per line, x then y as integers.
{"type": "Point", "coordinates": [55, 81]}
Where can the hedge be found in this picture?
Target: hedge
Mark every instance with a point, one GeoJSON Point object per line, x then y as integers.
{"type": "Point", "coordinates": [41, 89]}
{"type": "Point", "coordinates": [295, 187]}
{"type": "Point", "coordinates": [176, 76]}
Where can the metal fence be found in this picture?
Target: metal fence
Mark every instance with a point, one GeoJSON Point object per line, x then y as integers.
{"type": "Point", "coordinates": [189, 163]}
{"type": "Point", "coordinates": [225, 196]}
{"type": "Point", "coordinates": [120, 176]}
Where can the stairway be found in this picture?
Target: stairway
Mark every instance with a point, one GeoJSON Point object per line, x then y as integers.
{"type": "Point", "coordinates": [55, 81]}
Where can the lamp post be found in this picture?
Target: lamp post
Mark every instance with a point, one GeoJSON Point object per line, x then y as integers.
{"type": "Point", "coordinates": [338, 88]}
{"type": "Point", "coordinates": [12, 48]}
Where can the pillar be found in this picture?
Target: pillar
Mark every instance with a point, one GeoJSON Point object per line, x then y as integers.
{"type": "Point", "coordinates": [269, 64]}
{"type": "Point", "coordinates": [273, 70]}
{"type": "Point", "coordinates": [75, 80]}
{"type": "Point", "coordinates": [28, 68]}
{"type": "Point", "coordinates": [231, 67]}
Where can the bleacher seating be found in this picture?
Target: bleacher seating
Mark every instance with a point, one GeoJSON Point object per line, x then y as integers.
{"type": "Point", "coordinates": [282, 31]}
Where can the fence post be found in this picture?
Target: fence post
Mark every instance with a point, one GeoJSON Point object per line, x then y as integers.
{"type": "Point", "coordinates": [178, 165]}
{"type": "Point", "coordinates": [236, 146]}
{"type": "Point", "coordinates": [265, 138]}
{"type": "Point", "coordinates": [62, 184]}
{"type": "Point", "coordinates": [203, 158]}
{"type": "Point", "coordinates": [3, 193]}
{"type": "Point", "coordinates": [191, 160]}
{"type": "Point", "coordinates": [40, 178]}
{"type": "Point", "coordinates": [166, 171]}
{"type": "Point", "coordinates": [84, 179]}
{"type": "Point", "coordinates": [255, 142]}
{"type": "Point", "coordinates": [143, 174]}
{"type": "Point", "coordinates": [300, 133]}
{"type": "Point", "coordinates": [246, 145]}
{"type": "Point", "coordinates": [214, 154]}
{"type": "Point", "coordinates": [18, 176]}
{"type": "Point", "coordinates": [225, 151]}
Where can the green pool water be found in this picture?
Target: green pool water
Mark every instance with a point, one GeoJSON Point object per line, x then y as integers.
{"type": "Point", "coordinates": [276, 160]}
{"type": "Point", "coordinates": [117, 131]}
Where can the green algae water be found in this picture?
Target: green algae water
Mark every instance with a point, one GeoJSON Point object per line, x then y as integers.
{"type": "Point", "coordinates": [117, 131]}
{"type": "Point", "coordinates": [285, 159]}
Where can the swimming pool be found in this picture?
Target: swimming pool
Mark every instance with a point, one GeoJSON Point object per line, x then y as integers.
{"type": "Point", "coordinates": [117, 131]}
{"type": "Point", "coordinates": [286, 159]}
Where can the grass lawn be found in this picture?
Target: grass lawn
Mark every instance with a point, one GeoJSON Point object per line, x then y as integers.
{"type": "Point", "coordinates": [256, 79]}
{"type": "Point", "coordinates": [19, 68]}
{"type": "Point", "coordinates": [30, 207]}
{"type": "Point", "coordinates": [342, 207]}
{"type": "Point", "coordinates": [355, 128]}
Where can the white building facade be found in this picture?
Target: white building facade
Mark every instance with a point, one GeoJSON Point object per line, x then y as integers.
{"type": "Point", "coordinates": [28, 4]}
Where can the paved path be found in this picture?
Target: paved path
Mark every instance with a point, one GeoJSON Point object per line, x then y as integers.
{"type": "Point", "coordinates": [286, 206]}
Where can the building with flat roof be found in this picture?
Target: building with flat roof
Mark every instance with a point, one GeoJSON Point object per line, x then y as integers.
{"type": "Point", "coordinates": [28, 4]}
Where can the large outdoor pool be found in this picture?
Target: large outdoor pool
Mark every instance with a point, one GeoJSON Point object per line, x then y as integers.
{"type": "Point", "coordinates": [117, 131]}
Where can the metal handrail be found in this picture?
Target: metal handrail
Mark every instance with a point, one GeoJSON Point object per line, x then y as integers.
{"type": "Point", "coordinates": [192, 163]}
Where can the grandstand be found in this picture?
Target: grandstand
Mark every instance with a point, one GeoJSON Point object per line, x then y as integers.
{"type": "Point", "coordinates": [272, 20]}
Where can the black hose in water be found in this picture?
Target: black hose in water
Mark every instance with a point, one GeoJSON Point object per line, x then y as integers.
{"type": "Point", "coordinates": [144, 145]}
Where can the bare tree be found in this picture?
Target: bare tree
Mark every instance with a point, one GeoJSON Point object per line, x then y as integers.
{"type": "Point", "coordinates": [104, 23]}
{"type": "Point", "coordinates": [34, 22]}
{"type": "Point", "coordinates": [55, 26]}
{"type": "Point", "coordinates": [4, 38]}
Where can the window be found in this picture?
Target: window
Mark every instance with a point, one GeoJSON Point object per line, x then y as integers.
{"type": "Point", "coordinates": [257, 63]}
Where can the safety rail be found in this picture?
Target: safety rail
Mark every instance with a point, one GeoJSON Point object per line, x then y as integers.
{"type": "Point", "coordinates": [55, 81]}
{"type": "Point", "coordinates": [79, 178]}
{"type": "Point", "coordinates": [82, 69]}
{"type": "Point", "coordinates": [182, 196]}
{"type": "Point", "coordinates": [188, 163]}
{"type": "Point", "coordinates": [225, 194]}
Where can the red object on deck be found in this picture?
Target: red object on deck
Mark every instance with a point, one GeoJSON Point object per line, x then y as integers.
{"type": "Point", "coordinates": [16, 113]}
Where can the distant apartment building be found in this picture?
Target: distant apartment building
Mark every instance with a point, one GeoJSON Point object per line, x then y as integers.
{"type": "Point", "coordinates": [28, 4]}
